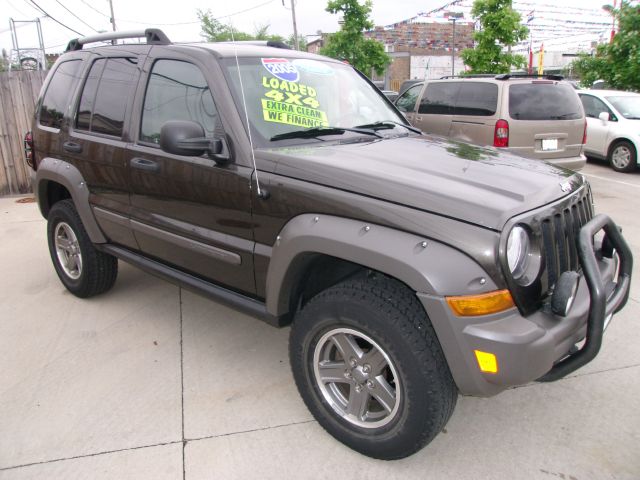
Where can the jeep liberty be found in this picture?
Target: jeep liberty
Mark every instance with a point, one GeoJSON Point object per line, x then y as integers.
{"type": "Point", "coordinates": [411, 268]}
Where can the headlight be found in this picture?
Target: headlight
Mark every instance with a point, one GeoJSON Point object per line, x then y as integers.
{"type": "Point", "coordinates": [523, 255]}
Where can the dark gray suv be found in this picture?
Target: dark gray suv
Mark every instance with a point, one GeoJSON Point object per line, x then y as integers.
{"type": "Point", "coordinates": [410, 268]}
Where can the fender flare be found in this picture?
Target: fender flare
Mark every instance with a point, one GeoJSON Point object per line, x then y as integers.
{"type": "Point", "coordinates": [425, 265]}
{"type": "Point", "coordinates": [59, 171]}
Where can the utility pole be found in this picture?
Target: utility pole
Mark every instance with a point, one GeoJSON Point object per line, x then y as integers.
{"type": "Point", "coordinates": [113, 19]}
{"type": "Point", "coordinates": [296, 44]}
{"type": "Point", "coordinates": [453, 16]}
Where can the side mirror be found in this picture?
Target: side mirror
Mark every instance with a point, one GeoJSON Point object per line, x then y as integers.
{"type": "Point", "coordinates": [187, 138]}
{"type": "Point", "coordinates": [604, 117]}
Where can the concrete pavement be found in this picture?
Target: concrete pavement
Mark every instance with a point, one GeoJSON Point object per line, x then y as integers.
{"type": "Point", "coordinates": [150, 381]}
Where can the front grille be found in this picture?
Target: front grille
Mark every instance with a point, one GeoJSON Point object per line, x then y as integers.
{"type": "Point", "coordinates": [554, 230]}
{"type": "Point", "coordinates": [559, 232]}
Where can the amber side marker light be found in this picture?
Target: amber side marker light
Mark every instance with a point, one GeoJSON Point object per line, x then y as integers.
{"type": "Point", "coordinates": [484, 304]}
{"type": "Point", "coordinates": [487, 362]}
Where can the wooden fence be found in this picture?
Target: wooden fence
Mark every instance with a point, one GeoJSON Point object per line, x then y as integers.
{"type": "Point", "coordinates": [18, 95]}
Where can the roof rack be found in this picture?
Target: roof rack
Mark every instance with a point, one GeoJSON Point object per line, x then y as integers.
{"type": "Point", "coordinates": [263, 43]}
{"type": "Point", "coordinates": [154, 36]}
{"type": "Point", "coordinates": [507, 76]}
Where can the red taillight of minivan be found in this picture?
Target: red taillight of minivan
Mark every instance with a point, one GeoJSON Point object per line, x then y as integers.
{"type": "Point", "coordinates": [501, 134]}
{"type": "Point", "coordinates": [29, 154]}
{"type": "Point", "coordinates": [584, 135]}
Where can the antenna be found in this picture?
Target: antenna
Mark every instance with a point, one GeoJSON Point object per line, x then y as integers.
{"type": "Point", "coordinates": [261, 193]}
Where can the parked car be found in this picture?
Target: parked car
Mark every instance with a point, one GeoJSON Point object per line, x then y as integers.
{"type": "Point", "coordinates": [390, 94]}
{"type": "Point", "coordinates": [613, 127]}
{"type": "Point", "coordinates": [411, 268]}
{"type": "Point", "coordinates": [539, 117]}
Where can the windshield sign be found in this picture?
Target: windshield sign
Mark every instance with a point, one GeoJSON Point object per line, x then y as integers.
{"type": "Point", "coordinates": [284, 95]}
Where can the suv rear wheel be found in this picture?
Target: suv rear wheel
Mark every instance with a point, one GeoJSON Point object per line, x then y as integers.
{"type": "Point", "coordinates": [623, 157]}
{"type": "Point", "coordinates": [370, 369]}
{"type": "Point", "coordinates": [83, 270]}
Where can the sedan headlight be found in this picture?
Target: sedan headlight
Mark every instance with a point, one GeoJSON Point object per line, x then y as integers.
{"type": "Point", "coordinates": [523, 256]}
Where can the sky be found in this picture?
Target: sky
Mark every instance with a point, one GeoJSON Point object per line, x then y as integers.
{"type": "Point", "coordinates": [179, 19]}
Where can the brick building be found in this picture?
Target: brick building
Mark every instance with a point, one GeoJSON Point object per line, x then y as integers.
{"type": "Point", "coordinates": [423, 49]}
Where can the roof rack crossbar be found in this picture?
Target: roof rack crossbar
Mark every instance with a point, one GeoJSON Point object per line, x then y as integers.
{"type": "Point", "coordinates": [507, 76]}
{"type": "Point", "coordinates": [262, 43]}
{"type": "Point", "coordinates": [154, 36]}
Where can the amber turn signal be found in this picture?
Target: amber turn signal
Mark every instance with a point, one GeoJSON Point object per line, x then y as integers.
{"type": "Point", "coordinates": [484, 304]}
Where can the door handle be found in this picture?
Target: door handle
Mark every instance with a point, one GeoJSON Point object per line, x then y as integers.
{"type": "Point", "coordinates": [72, 147]}
{"type": "Point", "coordinates": [145, 164]}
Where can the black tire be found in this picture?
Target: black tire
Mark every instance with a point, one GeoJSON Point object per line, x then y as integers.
{"type": "Point", "coordinates": [97, 271]}
{"type": "Point", "coordinates": [389, 313]}
{"type": "Point", "coordinates": [626, 161]}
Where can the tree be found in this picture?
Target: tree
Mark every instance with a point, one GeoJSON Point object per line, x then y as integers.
{"type": "Point", "coordinates": [302, 42]}
{"type": "Point", "coordinates": [617, 63]}
{"type": "Point", "coordinates": [350, 43]}
{"type": "Point", "coordinates": [500, 28]}
{"type": "Point", "coordinates": [215, 31]}
{"type": "Point", "coordinates": [4, 61]}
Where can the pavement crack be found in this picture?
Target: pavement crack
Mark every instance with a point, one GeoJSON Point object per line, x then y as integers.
{"type": "Point", "coordinates": [184, 442]}
{"type": "Point", "coordinates": [251, 430]}
{"type": "Point", "coordinates": [97, 454]}
{"type": "Point", "coordinates": [586, 374]}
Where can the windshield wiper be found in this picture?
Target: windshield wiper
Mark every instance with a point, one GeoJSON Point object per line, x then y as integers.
{"type": "Point", "coordinates": [386, 124]}
{"type": "Point", "coordinates": [318, 131]}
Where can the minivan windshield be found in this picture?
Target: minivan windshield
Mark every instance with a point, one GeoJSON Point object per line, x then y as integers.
{"type": "Point", "coordinates": [628, 106]}
{"type": "Point", "coordinates": [288, 95]}
{"type": "Point", "coordinates": [540, 100]}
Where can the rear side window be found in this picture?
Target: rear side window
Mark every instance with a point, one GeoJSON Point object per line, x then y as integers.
{"type": "Point", "coordinates": [407, 101]}
{"type": "Point", "coordinates": [105, 95]}
{"type": "Point", "coordinates": [58, 94]}
{"type": "Point", "coordinates": [544, 101]}
{"type": "Point", "coordinates": [176, 91]}
{"type": "Point", "coordinates": [439, 98]}
{"type": "Point", "coordinates": [477, 99]}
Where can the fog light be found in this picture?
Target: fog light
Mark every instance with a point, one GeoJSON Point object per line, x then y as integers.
{"type": "Point", "coordinates": [565, 293]}
{"type": "Point", "coordinates": [487, 362]}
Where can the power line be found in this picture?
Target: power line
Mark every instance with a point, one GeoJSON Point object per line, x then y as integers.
{"type": "Point", "coordinates": [95, 9]}
{"type": "Point", "coordinates": [63, 6]}
{"type": "Point", "coordinates": [57, 21]}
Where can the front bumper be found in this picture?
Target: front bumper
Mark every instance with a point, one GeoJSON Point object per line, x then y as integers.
{"type": "Point", "coordinates": [537, 347]}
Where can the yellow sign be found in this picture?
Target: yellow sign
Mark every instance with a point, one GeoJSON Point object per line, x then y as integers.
{"type": "Point", "coordinates": [292, 104]}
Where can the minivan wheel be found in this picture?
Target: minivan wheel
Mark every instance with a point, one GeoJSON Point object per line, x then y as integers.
{"type": "Point", "coordinates": [83, 270]}
{"type": "Point", "coordinates": [369, 367]}
{"type": "Point", "coordinates": [623, 157]}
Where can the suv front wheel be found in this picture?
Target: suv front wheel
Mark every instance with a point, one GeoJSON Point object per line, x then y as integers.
{"type": "Point", "coordinates": [83, 270]}
{"type": "Point", "coordinates": [370, 369]}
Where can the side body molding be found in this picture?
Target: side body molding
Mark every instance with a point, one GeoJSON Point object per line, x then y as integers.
{"type": "Point", "coordinates": [59, 171]}
{"type": "Point", "coordinates": [425, 265]}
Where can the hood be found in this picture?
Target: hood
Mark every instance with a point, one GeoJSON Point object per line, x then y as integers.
{"type": "Point", "coordinates": [477, 185]}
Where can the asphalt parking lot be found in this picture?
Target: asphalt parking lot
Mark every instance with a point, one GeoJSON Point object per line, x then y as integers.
{"type": "Point", "coordinates": [151, 381]}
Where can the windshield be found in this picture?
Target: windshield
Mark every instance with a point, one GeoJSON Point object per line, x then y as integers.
{"type": "Point", "coordinates": [628, 106]}
{"type": "Point", "coordinates": [287, 94]}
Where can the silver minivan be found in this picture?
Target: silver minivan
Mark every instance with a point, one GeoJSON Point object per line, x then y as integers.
{"type": "Point", "coordinates": [535, 117]}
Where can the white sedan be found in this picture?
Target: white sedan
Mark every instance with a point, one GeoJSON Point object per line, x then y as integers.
{"type": "Point", "coordinates": [613, 127]}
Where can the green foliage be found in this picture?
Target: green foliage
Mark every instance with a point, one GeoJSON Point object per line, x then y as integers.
{"type": "Point", "coordinates": [216, 31]}
{"type": "Point", "coordinates": [4, 61]}
{"type": "Point", "coordinates": [350, 44]}
{"type": "Point", "coordinates": [302, 42]}
{"type": "Point", "coordinates": [618, 63]}
{"type": "Point", "coordinates": [501, 28]}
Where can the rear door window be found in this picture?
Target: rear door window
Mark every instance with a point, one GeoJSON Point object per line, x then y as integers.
{"type": "Point", "coordinates": [544, 101]}
{"type": "Point", "coordinates": [439, 98]}
{"type": "Point", "coordinates": [593, 106]}
{"type": "Point", "coordinates": [58, 94]}
{"type": "Point", "coordinates": [477, 99]}
{"type": "Point", "coordinates": [407, 101]}
{"type": "Point", "coordinates": [106, 94]}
